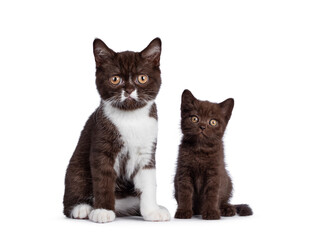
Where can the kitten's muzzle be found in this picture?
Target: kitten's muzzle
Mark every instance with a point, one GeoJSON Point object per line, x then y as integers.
{"type": "Point", "coordinates": [127, 95]}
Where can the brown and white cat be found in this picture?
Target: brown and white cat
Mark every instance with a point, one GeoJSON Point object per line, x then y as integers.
{"type": "Point", "coordinates": [112, 170]}
{"type": "Point", "coordinates": [202, 184]}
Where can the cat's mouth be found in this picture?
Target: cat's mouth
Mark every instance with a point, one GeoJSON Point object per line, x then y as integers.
{"type": "Point", "coordinates": [202, 134]}
{"type": "Point", "coordinates": [130, 99]}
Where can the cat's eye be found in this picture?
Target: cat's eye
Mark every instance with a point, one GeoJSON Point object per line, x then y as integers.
{"type": "Point", "coordinates": [194, 119]}
{"type": "Point", "coordinates": [213, 122]}
{"type": "Point", "coordinates": [142, 79]}
{"type": "Point", "coordinates": [115, 80]}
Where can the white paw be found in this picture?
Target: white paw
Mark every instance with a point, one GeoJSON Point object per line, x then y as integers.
{"type": "Point", "coordinates": [81, 211]}
{"type": "Point", "coordinates": [102, 215]}
{"type": "Point", "coordinates": [157, 215]}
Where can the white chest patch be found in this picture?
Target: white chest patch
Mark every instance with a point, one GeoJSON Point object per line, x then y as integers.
{"type": "Point", "coordinates": [138, 132]}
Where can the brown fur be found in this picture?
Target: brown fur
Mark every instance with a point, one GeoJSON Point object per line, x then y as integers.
{"type": "Point", "coordinates": [90, 176]}
{"type": "Point", "coordinates": [202, 184]}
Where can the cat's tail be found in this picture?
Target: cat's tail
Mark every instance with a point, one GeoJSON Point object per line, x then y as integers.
{"type": "Point", "coordinates": [243, 210]}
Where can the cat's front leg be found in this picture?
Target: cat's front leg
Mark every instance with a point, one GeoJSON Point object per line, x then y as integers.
{"type": "Point", "coordinates": [103, 181]}
{"type": "Point", "coordinates": [145, 182]}
{"type": "Point", "coordinates": [210, 205]}
{"type": "Point", "coordinates": [184, 193]}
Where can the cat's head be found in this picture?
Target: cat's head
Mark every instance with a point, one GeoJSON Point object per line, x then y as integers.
{"type": "Point", "coordinates": [202, 120]}
{"type": "Point", "coordinates": [128, 80]}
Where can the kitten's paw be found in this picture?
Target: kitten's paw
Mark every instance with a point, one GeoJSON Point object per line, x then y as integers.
{"type": "Point", "coordinates": [81, 211]}
{"type": "Point", "coordinates": [183, 214]}
{"type": "Point", "coordinates": [211, 215]}
{"type": "Point", "coordinates": [102, 215]}
{"type": "Point", "coordinates": [228, 211]}
{"type": "Point", "coordinates": [158, 215]}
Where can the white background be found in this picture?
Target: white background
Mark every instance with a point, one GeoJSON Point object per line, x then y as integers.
{"type": "Point", "coordinates": [264, 54]}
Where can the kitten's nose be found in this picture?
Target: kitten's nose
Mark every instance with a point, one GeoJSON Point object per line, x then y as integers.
{"type": "Point", "coordinates": [128, 91]}
{"type": "Point", "coordinates": [202, 127]}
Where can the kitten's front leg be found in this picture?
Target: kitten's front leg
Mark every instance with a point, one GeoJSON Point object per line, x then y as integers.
{"type": "Point", "coordinates": [184, 192]}
{"type": "Point", "coordinates": [145, 182]}
{"type": "Point", "coordinates": [210, 207]}
{"type": "Point", "coordinates": [103, 180]}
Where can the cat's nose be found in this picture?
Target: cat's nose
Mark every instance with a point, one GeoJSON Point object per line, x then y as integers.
{"type": "Point", "coordinates": [128, 91]}
{"type": "Point", "coordinates": [202, 127]}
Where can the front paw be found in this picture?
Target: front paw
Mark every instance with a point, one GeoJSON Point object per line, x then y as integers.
{"type": "Point", "coordinates": [157, 215]}
{"type": "Point", "coordinates": [102, 215]}
{"type": "Point", "coordinates": [210, 215]}
{"type": "Point", "coordinates": [183, 214]}
{"type": "Point", "coordinates": [81, 211]}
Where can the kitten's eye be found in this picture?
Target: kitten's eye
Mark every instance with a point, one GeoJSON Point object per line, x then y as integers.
{"type": "Point", "coordinates": [115, 80]}
{"type": "Point", "coordinates": [213, 122]}
{"type": "Point", "coordinates": [194, 119]}
{"type": "Point", "coordinates": [142, 79]}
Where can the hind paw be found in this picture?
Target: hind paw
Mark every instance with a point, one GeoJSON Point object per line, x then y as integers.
{"type": "Point", "coordinates": [244, 210]}
{"type": "Point", "coordinates": [228, 211]}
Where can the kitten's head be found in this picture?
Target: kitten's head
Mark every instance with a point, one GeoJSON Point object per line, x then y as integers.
{"type": "Point", "coordinates": [127, 80]}
{"type": "Point", "coordinates": [202, 120]}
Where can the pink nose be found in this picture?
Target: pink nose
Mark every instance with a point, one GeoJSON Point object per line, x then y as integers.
{"type": "Point", "coordinates": [129, 91]}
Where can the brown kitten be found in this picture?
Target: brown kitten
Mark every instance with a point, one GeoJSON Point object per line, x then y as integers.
{"type": "Point", "coordinates": [202, 184]}
{"type": "Point", "coordinates": [112, 170]}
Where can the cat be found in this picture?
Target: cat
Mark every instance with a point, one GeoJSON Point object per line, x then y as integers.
{"type": "Point", "coordinates": [202, 184]}
{"type": "Point", "coordinates": [112, 170]}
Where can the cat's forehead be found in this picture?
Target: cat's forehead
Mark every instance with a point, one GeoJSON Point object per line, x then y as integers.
{"type": "Point", "coordinates": [206, 108]}
{"type": "Point", "coordinates": [127, 61]}
{"type": "Point", "coordinates": [126, 56]}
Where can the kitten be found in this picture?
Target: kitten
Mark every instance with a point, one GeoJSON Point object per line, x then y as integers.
{"type": "Point", "coordinates": [202, 184]}
{"type": "Point", "coordinates": [112, 170]}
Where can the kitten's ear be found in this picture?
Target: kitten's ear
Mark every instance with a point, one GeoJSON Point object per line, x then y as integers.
{"type": "Point", "coordinates": [101, 51]}
{"type": "Point", "coordinates": [187, 97]}
{"type": "Point", "coordinates": [152, 52]}
{"type": "Point", "coordinates": [227, 107]}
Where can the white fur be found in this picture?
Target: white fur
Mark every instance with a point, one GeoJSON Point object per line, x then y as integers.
{"type": "Point", "coordinates": [125, 204]}
{"type": "Point", "coordinates": [123, 98]}
{"type": "Point", "coordinates": [145, 181]}
{"type": "Point", "coordinates": [102, 215]}
{"type": "Point", "coordinates": [157, 215]}
{"type": "Point", "coordinates": [124, 151]}
{"type": "Point", "coordinates": [81, 211]}
{"type": "Point", "coordinates": [133, 95]}
{"type": "Point", "coordinates": [138, 132]}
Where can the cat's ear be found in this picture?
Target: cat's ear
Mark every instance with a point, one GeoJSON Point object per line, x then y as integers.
{"type": "Point", "coordinates": [101, 51]}
{"type": "Point", "coordinates": [152, 52]}
{"type": "Point", "coordinates": [226, 108]}
{"type": "Point", "coordinates": [187, 98]}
